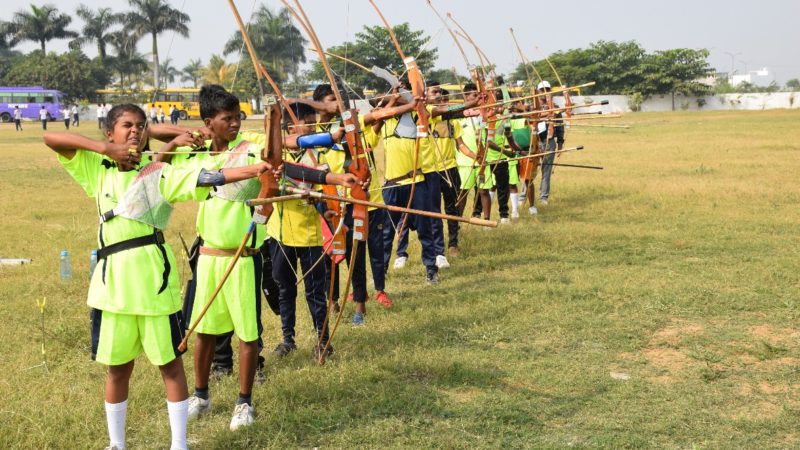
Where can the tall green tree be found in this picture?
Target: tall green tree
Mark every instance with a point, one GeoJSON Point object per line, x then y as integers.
{"type": "Point", "coordinates": [793, 84]}
{"type": "Point", "coordinates": [278, 43]}
{"type": "Point", "coordinates": [373, 47]}
{"type": "Point", "coordinates": [97, 28]}
{"type": "Point", "coordinates": [168, 72]}
{"type": "Point", "coordinates": [192, 72]}
{"type": "Point", "coordinates": [218, 71]}
{"type": "Point", "coordinates": [153, 17]}
{"type": "Point", "coordinates": [41, 24]}
{"type": "Point", "coordinates": [127, 62]}
{"type": "Point", "coordinates": [676, 71]}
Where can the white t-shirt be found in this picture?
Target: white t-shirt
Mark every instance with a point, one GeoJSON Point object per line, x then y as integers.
{"type": "Point", "coordinates": [43, 114]}
{"type": "Point", "coordinates": [100, 112]}
{"type": "Point", "coordinates": [74, 110]}
{"type": "Point", "coordinates": [18, 114]}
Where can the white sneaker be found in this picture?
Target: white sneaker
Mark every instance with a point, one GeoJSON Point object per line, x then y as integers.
{"type": "Point", "coordinates": [442, 262]}
{"type": "Point", "coordinates": [533, 210]}
{"type": "Point", "coordinates": [505, 220]}
{"type": "Point", "coordinates": [400, 262]}
{"type": "Point", "coordinates": [515, 214]}
{"type": "Point", "coordinates": [198, 406]}
{"type": "Point", "coordinates": [243, 416]}
{"type": "Point", "coordinates": [543, 201]}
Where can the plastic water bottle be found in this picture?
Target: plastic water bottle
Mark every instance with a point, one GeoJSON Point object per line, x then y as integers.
{"type": "Point", "coordinates": [66, 269]}
{"type": "Point", "coordinates": [92, 262]}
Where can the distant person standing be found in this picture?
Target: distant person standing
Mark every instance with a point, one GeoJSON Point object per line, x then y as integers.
{"type": "Point", "coordinates": [153, 113]}
{"type": "Point", "coordinates": [17, 118]}
{"type": "Point", "coordinates": [76, 120]}
{"type": "Point", "coordinates": [43, 117]}
{"type": "Point", "coordinates": [161, 115]}
{"type": "Point", "coordinates": [66, 112]}
{"type": "Point", "coordinates": [105, 114]}
{"type": "Point", "coordinates": [99, 116]}
{"type": "Point", "coordinates": [174, 115]}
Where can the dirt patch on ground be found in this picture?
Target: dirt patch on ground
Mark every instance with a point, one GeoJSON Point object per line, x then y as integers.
{"type": "Point", "coordinates": [673, 334]}
{"type": "Point", "coordinates": [756, 411]}
{"type": "Point", "coordinates": [774, 335]}
{"type": "Point", "coordinates": [464, 395]}
{"type": "Point", "coordinates": [670, 364]}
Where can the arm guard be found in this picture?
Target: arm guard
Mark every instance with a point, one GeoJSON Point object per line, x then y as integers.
{"type": "Point", "coordinates": [305, 173]}
{"type": "Point", "coordinates": [323, 139]}
{"type": "Point", "coordinates": [210, 178]}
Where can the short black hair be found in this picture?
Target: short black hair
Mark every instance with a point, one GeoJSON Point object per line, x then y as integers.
{"type": "Point", "coordinates": [499, 80]}
{"type": "Point", "coordinates": [118, 110]}
{"type": "Point", "coordinates": [432, 83]}
{"type": "Point", "coordinates": [322, 91]}
{"type": "Point", "coordinates": [300, 110]}
{"type": "Point", "coordinates": [214, 98]}
{"type": "Point", "coordinates": [470, 87]}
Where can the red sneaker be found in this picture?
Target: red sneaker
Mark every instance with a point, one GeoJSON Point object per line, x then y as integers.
{"type": "Point", "coordinates": [383, 298]}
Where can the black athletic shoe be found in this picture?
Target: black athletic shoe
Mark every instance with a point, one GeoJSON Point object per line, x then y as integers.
{"type": "Point", "coordinates": [284, 349]}
{"type": "Point", "coordinates": [432, 277]}
{"type": "Point", "coordinates": [220, 372]}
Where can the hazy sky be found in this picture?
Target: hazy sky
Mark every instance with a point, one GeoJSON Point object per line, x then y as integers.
{"type": "Point", "coordinates": [762, 33]}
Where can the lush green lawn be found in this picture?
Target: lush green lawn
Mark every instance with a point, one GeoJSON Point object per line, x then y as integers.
{"type": "Point", "coordinates": [651, 304]}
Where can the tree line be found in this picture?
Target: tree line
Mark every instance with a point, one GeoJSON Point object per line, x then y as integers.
{"type": "Point", "coordinates": [616, 67]}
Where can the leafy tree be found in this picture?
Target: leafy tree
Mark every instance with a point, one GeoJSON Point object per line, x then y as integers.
{"type": "Point", "coordinates": [72, 73]}
{"type": "Point", "coordinates": [153, 17]}
{"type": "Point", "coordinates": [127, 62]}
{"type": "Point", "coordinates": [793, 84]}
{"type": "Point", "coordinates": [41, 24]}
{"type": "Point", "coordinates": [96, 28]}
{"type": "Point", "coordinates": [168, 72]}
{"type": "Point", "coordinates": [676, 71]}
{"type": "Point", "coordinates": [279, 44]}
{"type": "Point", "coordinates": [374, 47]}
{"type": "Point", "coordinates": [192, 72]}
{"type": "Point", "coordinates": [218, 71]}
{"type": "Point", "coordinates": [7, 53]}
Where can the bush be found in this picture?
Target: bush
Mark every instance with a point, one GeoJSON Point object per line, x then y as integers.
{"type": "Point", "coordinates": [635, 101]}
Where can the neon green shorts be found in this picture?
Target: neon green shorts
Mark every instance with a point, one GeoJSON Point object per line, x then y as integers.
{"type": "Point", "coordinates": [119, 338]}
{"type": "Point", "coordinates": [234, 309]}
{"type": "Point", "coordinates": [469, 176]}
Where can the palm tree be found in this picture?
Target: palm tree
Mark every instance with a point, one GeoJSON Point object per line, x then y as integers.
{"type": "Point", "coordinates": [280, 46]}
{"type": "Point", "coordinates": [154, 17]}
{"type": "Point", "coordinates": [168, 72]}
{"type": "Point", "coordinates": [127, 62]}
{"type": "Point", "coordinates": [218, 71]}
{"type": "Point", "coordinates": [40, 24]}
{"type": "Point", "coordinates": [96, 28]}
{"type": "Point", "coordinates": [192, 71]}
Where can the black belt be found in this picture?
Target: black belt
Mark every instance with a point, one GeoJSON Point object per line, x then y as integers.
{"type": "Point", "coordinates": [156, 238]}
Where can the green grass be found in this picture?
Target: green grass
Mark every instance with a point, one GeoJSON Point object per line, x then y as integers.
{"type": "Point", "coordinates": [676, 265]}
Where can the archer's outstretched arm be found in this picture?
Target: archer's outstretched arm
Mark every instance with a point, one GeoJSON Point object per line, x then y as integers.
{"type": "Point", "coordinates": [67, 144]}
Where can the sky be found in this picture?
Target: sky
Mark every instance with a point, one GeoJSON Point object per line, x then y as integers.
{"type": "Point", "coordinates": [750, 34]}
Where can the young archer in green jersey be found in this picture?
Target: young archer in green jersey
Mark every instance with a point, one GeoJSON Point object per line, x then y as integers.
{"type": "Point", "coordinates": [134, 294]}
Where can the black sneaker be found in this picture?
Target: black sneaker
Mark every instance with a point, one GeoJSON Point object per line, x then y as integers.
{"type": "Point", "coordinates": [260, 377]}
{"type": "Point", "coordinates": [432, 277]}
{"type": "Point", "coordinates": [220, 372]}
{"type": "Point", "coordinates": [284, 349]}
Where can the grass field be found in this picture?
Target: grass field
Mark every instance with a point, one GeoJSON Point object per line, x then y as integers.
{"type": "Point", "coordinates": [653, 304]}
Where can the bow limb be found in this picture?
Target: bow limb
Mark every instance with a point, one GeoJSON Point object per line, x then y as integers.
{"type": "Point", "coordinates": [417, 83]}
{"type": "Point", "coordinates": [358, 166]}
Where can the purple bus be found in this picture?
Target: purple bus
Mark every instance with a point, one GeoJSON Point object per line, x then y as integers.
{"type": "Point", "coordinates": [30, 100]}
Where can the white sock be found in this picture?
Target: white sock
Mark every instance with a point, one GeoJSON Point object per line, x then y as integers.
{"type": "Point", "coordinates": [514, 203]}
{"type": "Point", "coordinates": [178, 416]}
{"type": "Point", "coordinates": [491, 195]}
{"type": "Point", "coordinates": [116, 414]}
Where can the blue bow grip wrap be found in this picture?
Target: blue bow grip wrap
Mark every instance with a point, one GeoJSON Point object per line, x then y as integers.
{"type": "Point", "coordinates": [324, 139]}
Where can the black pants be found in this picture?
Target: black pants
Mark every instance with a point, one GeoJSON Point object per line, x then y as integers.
{"type": "Point", "coordinates": [44, 124]}
{"type": "Point", "coordinates": [18, 124]}
{"type": "Point", "coordinates": [501, 183]}
{"type": "Point", "coordinates": [450, 195]}
{"type": "Point", "coordinates": [76, 120]}
{"type": "Point", "coordinates": [284, 267]}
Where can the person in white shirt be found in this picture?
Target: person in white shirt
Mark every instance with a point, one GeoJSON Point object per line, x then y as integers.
{"type": "Point", "coordinates": [76, 120]}
{"type": "Point", "coordinates": [101, 116]}
{"type": "Point", "coordinates": [43, 117]}
{"type": "Point", "coordinates": [153, 113]}
{"type": "Point", "coordinates": [161, 115]}
{"type": "Point", "coordinates": [65, 112]}
{"type": "Point", "coordinates": [17, 118]}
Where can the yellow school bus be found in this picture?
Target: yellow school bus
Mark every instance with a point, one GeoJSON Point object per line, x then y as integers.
{"type": "Point", "coordinates": [185, 99]}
